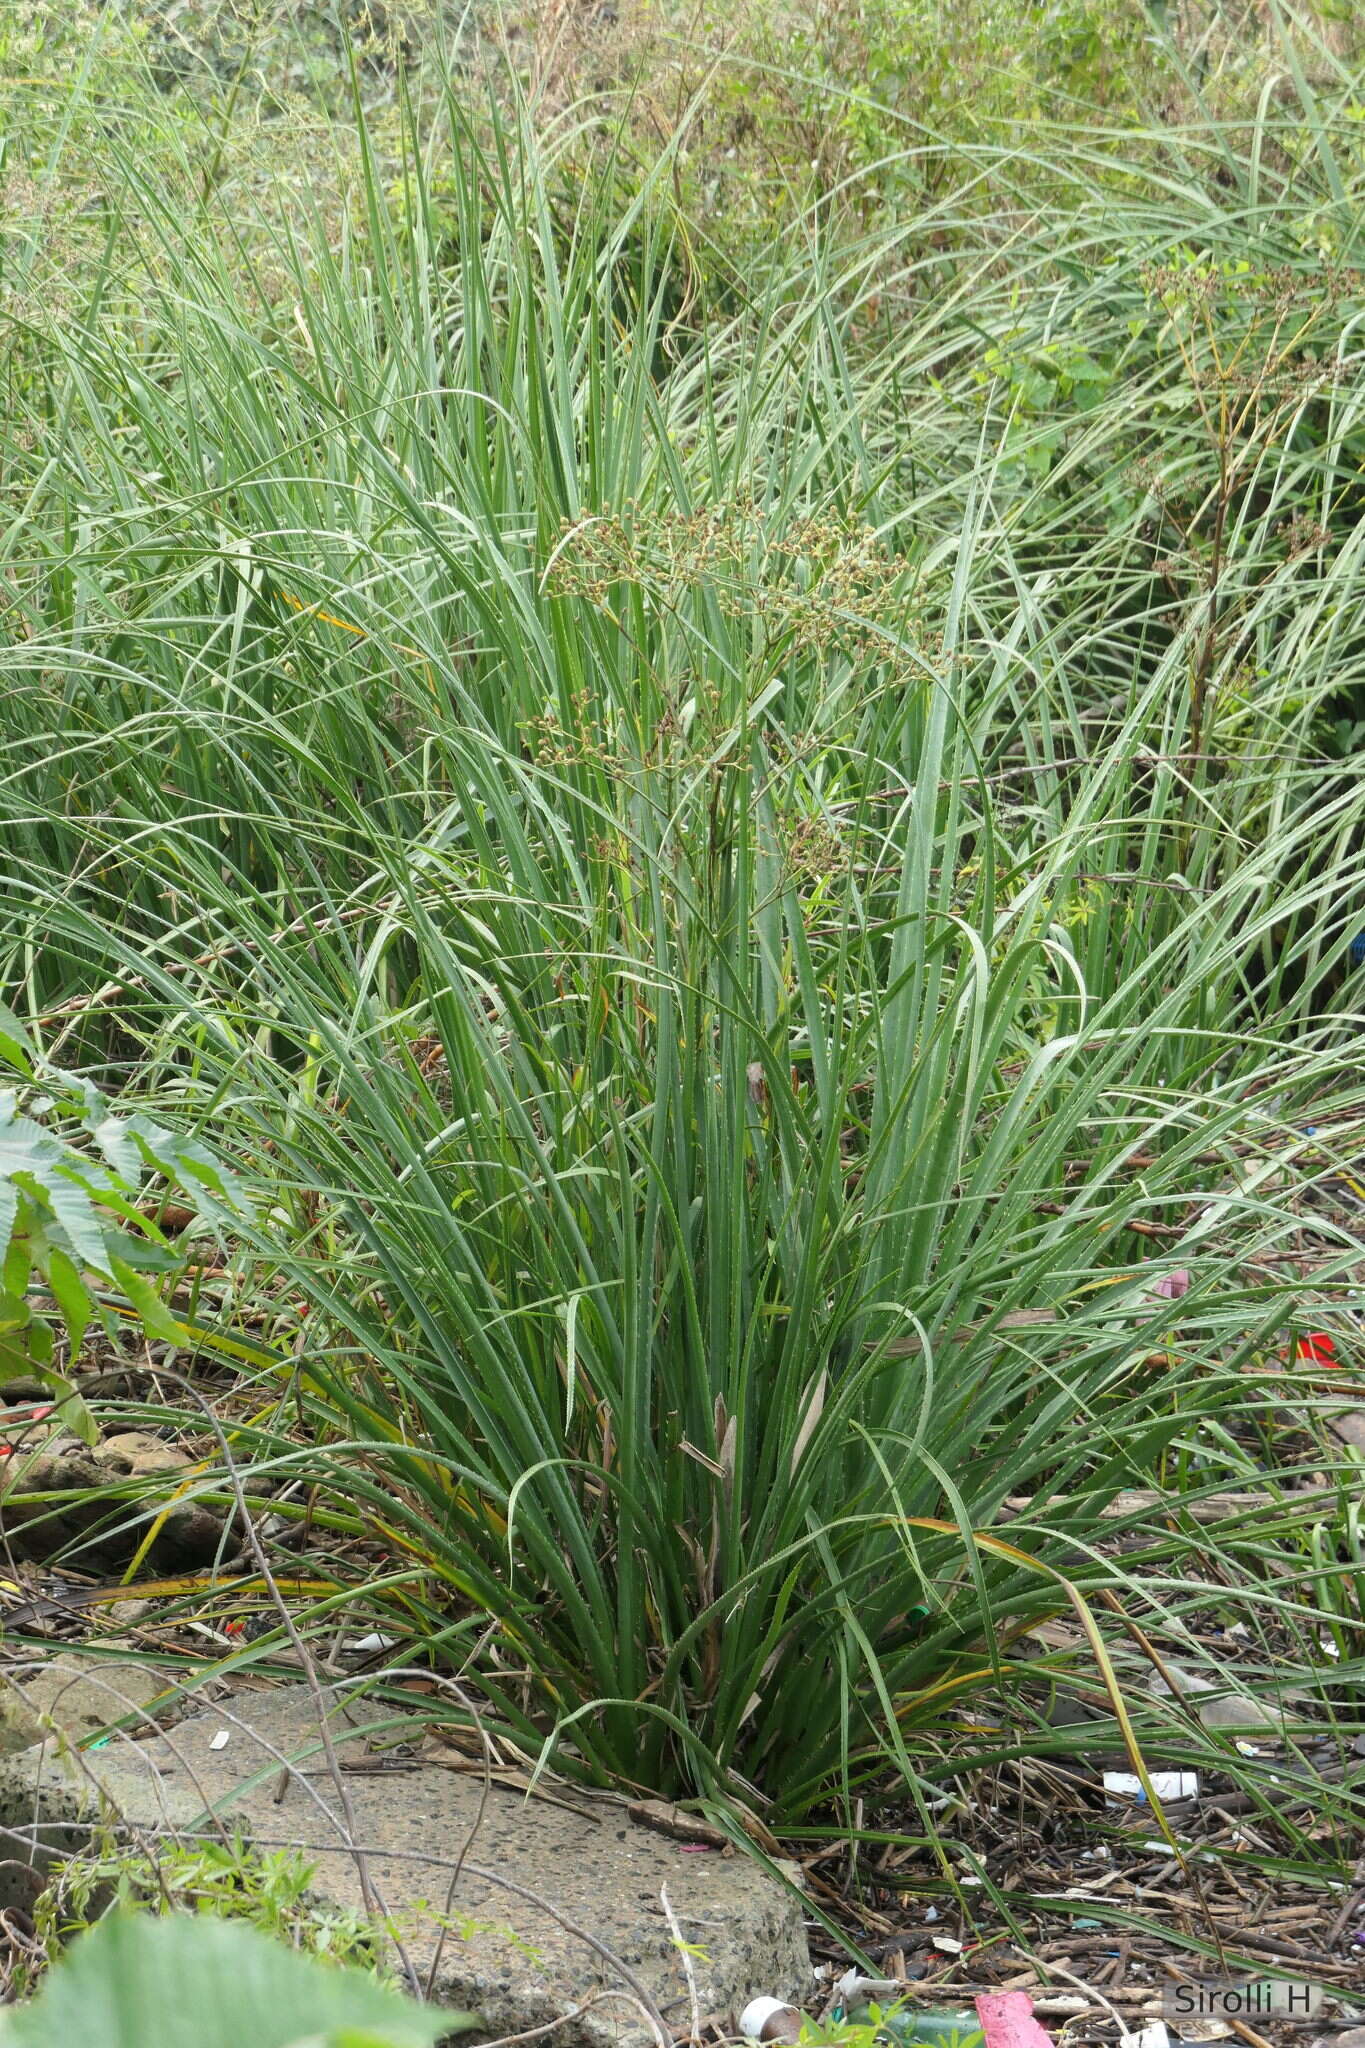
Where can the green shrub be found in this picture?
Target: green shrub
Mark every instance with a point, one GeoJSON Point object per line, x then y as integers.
{"type": "Point", "coordinates": [68, 1215]}
{"type": "Point", "coordinates": [268, 1890]}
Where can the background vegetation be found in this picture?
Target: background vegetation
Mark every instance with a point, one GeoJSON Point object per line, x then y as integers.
{"type": "Point", "coordinates": [696, 688]}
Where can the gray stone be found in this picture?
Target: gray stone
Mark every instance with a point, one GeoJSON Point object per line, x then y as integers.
{"type": "Point", "coordinates": [138, 1453]}
{"type": "Point", "coordinates": [20, 1727]}
{"type": "Point", "coordinates": [57, 1494]}
{"type": "Point", "coordinates": [1218, 1708]}
{"type": "Point", "coordinates": [1350, 1427]}
{"type": "Point", "coordinates": [50, 1789]}
{"type": "Point", "coordinates": [524, 1888]}
{"type": "Point", "coordinates": [81, 1694]}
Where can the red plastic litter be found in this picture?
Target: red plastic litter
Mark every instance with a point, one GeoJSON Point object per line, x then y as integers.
{"type": "Point", "coordinates": [1316, 1348]}
{"type": "Point", "coordinates": [24, 1416]}
{"type": "Point", "coordinates": [1007, 2021]}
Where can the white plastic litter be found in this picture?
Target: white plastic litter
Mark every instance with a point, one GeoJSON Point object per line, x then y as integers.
{"type": "Point", "coordinates": [1152, 2036]}
{"type": "Point", "coordinates": [1166, 1784]}
{"type": "Point", "coordinates": [220, 1740]}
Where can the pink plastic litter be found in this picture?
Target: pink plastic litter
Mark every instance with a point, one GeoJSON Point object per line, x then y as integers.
{"type": "Point", "coordinates": [1172, 1285]}
{"type": "Point", "coordinates": [1007, 2021]}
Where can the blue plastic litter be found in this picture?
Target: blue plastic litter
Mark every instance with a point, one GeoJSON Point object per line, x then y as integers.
{"type": "Point", "coordinates": [1358, 950]}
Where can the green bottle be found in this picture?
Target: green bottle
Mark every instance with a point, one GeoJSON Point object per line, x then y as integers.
{"type": "Point", "coordinates": [909, 2029]}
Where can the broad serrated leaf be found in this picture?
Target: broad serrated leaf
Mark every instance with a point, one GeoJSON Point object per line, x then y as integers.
{"type": "Point", "coordinates": [71, 1296]}
{"type": "Point", "coordinates": [25, 1147]}
{"type": "Point", "coordinates": [14, 1269]}
{"type": "Point", "coordinates": [140, 1253]}
{"type": "Point", "coordinates": [93, 1105]}
{"type": "Point", "coordinates": [114, 1203]}
{"type": "Point", "coordinates": [187, 1981]}
{"type": "Point", "coordinates": [183, 1159]}
{"type": "Point", "coordinates": [71, 1410]}
{"type": "Point", "coordinates": [74, 1209]}
{"type": "Point", "coordinates": [155, 1317]}
{"type": "Point", "coordinates": [9, 1211]}
{"type": "Point", "coordinates": [15, 1309]}
{"type": "Point", "coordinates": [112, 1136]}
{"type": "Point", "coordinates": [38, 1164]}
{"type": "Point", "coordinates": [16, 1047]}
{"type": "Point", "coordinates": [15, 1363]}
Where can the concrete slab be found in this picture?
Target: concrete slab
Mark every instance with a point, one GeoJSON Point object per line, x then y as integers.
{"type": "Point", "coordinates": [522, 1909]}
{"type": "Point", "coordinates": [81, 1694]}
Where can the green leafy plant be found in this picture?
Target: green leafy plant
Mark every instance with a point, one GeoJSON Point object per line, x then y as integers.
{"type": "Point", "coordinates": [870, 2025]}
{"type": "Point", "coordinates": [68, 1214]}
{"type": "Point", "coordinates": [203, 1983]}
{"type": "Point", "coordinates": [268, 1890]}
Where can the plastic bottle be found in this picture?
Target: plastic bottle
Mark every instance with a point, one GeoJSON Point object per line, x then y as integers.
{"type": "Point", "coordinates": [922, 2029]}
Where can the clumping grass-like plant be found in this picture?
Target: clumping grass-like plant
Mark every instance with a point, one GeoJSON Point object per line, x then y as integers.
{"type": "Point", "coordinates": [744, 890]}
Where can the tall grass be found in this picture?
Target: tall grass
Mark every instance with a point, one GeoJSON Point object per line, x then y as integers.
{"type": "Point", "coordinates": [743, 888]}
